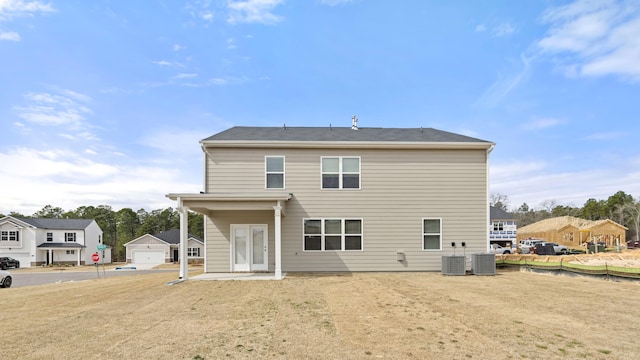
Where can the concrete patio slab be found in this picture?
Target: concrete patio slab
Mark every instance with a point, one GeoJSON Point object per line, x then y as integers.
{"type": "Point", "coordinates": [236, 276]}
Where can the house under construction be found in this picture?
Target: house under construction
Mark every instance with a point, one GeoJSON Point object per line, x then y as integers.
{"type": "Point", "coordinates": [575, 232]}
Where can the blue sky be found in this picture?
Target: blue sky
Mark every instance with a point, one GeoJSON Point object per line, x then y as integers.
{"type": "Point", "coordinates": [104, 102]}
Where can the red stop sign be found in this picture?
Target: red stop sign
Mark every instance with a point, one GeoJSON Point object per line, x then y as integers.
{"type": "Point", "coordinates": [95, 257]}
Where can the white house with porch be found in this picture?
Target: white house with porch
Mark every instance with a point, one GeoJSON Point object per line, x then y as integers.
{"type": "Point", "coordinates": [51, 241]}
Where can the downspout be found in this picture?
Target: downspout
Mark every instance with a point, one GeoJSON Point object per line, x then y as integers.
{"type": "Point", "coordinates": [205, 175]}
{"type": "Point", "coordinates": [488, 209]}
{"type": "Point", "coordinates": [84, 239]}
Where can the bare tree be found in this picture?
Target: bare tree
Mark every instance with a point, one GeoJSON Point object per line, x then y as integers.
{"type": "Point", "coordinates": [499, 200]}
{"type": "Point", "coordinates": [633, 209]}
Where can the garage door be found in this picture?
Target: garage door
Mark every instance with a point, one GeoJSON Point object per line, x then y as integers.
{"type": "Point", "coordinates": [148, 257]}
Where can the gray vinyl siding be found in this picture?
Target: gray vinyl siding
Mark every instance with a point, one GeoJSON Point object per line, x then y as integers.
{"type": "Point", "coordinates": [398, 189]}
{"type": "Point", "coordinates": [218, 235]}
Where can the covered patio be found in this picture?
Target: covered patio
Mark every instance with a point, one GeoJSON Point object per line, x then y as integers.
{"type": "Point", "coordinates": [208, 204]}
{"type": "Point", "coordinates": [59, 253]}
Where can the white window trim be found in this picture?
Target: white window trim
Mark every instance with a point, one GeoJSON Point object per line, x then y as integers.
{"type": "Point", "coordinates": [192, 250]}
{"type": "Point", "coordinates": [284, 172]}
{"type": "Point", "coordinates": [423, 233]}
{"type": "Point", "coordinates": [343, 235]}
{"type": "Point", "coordinates": [10, 236]}
{"type": "Point", "coordinates": [47, 238]}
{"type": "Point", "coordinates": [341, 173]}
{"type": "Point", "coordinates": [75, 237]}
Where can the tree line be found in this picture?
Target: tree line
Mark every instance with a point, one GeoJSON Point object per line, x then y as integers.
{"type": "Point", "coordinates": [122, 226]}
{"type": "Point", "coordinates": [619, 207]}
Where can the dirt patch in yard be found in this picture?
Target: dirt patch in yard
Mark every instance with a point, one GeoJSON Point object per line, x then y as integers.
{"type": "Point", "coordinates": [325, 316]}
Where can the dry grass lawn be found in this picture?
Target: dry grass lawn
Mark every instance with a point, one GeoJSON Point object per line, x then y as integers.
{"type": "Point", "coordinates": [513, 315]}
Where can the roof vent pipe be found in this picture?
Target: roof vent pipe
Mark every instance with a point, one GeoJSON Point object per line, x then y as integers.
{"type": "Point", "coordinates": [354, 123]}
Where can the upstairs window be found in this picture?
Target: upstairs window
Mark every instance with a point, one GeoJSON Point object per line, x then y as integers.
{"type": "Point", "coordinates": [431, 234]}
{"type": "Point", "coordinates": [49, 236]}
{"type": "Point", "coordinates": [9, 235]}
{"type": "Point", "coordinates": [498, 226]}
{"type": "Point", "coordinates": [274, 172]}
{"type": "Point", "coordinates": [70, 237]}
{"type": "Point", "coordinates": [340, 172]}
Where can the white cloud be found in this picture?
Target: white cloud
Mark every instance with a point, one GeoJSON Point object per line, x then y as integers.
{"type": "Point", "coordinates": [567, 188]}
{"type": "Point", "coordinates": [69, 180]}
{"type": "Point", "coordinates": [10, 36]}
{"type": "Point", "coordinates": [162, 63]}
{"type": "Point", "coordinates": [200, 10]}
{"type": "Point", "coordinates": [535, 182]}
{"type": "Point", "coordinates": [180, 141]}
{"type": "Point", "coordinates": [503, 29]}
{"type": "Point", "coordinates": [231, 43]}
{"type": "Point", "coordinates": [253, 11]}
{"type": "Point", "coordinates": [10, 9]}
{"type": "Point", "coordinates": [185, 76]}
{"type": "Point", "coordinates": [221, 81]}
{"type": "Point", "coordinates": [594, 38]}
{"type": "Point", "coordinates": [336, 2]}
{"type": "Point", "coordinates": [54, 109]}
{"type": "Point", "coordinates": [178, 47]}
{"type": "Point", "coordinates": [505, 84]}
{"type": "Point", "coordinates": [206, 15]}
{"type": "Point", "coordinates": [542, 123]}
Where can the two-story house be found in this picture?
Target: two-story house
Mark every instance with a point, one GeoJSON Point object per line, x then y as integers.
{"type": "Point", "coordinates": [300, 199]}
{"type": "Point", "coordinates": [503, 228]}
{"type": "Point", "coordinates": [51, 241]}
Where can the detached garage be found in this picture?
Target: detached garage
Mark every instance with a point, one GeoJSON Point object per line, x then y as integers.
{"type": "Point", "coordinates": [141, 256]}
{"type": "Point", "coordinates": [162, 248]}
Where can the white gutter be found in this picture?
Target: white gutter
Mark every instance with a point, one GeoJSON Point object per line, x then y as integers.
{"type": "Point", "coordinates": [488, 221]}
{"type": "Point", "coordinates": [343, 144]}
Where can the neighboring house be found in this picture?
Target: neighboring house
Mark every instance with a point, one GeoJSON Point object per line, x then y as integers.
{"type": "Point", "coordinates": [163, 248]}
{"type": "Point", "coordinates": [51, 241]}
{"type": "Point", "coordinates": [502, 228]}
{"type": "Point", "coordinates": [339, 199]}
{"type": "Point", "coordinates": [575, 232]}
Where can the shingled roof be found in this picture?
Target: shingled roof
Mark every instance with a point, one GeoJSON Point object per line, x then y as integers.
{"type": "Point", "coordinates": [426, 135]}
{"type": "Point", "coordinates": [57, 224]}
{"type": "Point", "coordinates": [173, 236]}
{"type": "Point", "coordinates": [497, 213]}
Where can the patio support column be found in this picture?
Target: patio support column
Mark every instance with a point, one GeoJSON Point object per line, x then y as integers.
{"type": "Point", "coordinates": [80, 256]}
{"type": "Point", "coordinates": [184, 230]}
{"type": "Point", "coordinates": [278, 240]}
{"type": "Point", "coordinates": [50, 257]}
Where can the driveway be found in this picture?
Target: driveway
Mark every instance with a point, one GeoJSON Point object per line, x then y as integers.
{"type": "Point", "coordinates": [41, 278]}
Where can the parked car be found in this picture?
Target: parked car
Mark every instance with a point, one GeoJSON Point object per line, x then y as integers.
{"type": "Point", "coordinates": [559, 249]}
{"type": "Point", "coordinates": [528, 246]}
{"type": "Point", "coordinates": [633, 244]}
{"type": "Point", "coordinates": [5, 279]}
{"type": "Point", "coordinates": [498, 249]}
{"type": "Point", "coordinates": [7, 262]}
